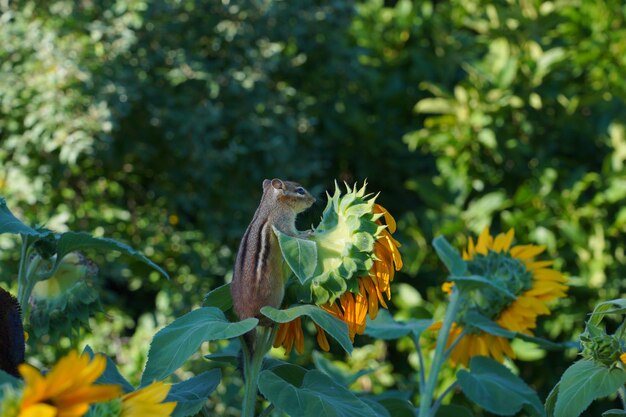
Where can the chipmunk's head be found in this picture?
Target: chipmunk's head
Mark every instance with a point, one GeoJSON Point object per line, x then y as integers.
{"type": "Point", "coordinates": [289, 193]}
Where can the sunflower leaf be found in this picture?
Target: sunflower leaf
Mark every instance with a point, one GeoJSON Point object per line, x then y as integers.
{"type": "Point", "coordinates": [77, 241]}
{"type": "Point", "coordinates": [477, 281]}
{"type": "Point", "coordinates": [6, 378]}
{"type": "Point", "coordinates": [492, 386]}
{"type": "Point", "coordinates": [452, 410]}
{"type": "Point", "coordinates": [584, 382]}
{"type": "Point", "coordinates": [338, 374]}
{"type": "Point", "coordinates": [11, 224]}
{"type": "Point", "coordinates": [173, 344]}
{"type": "Point", "coordinates": [614, 413]}
{"type": "Point", "coordinates": [449, 256]}
{"type": "Point", "coordinates": [317, 396]}
{"type": "Point", "coordinates": [300, 254]}
{"type": "Point", "coordinates": [617, 306]}
{"type": "Point", "coordinates": [386, 328]}
{"type": "Point", "coordinates": [219, 297]}
{"type": "Point", "coordinates": [331, 325]}
{"type": "Point", "coordinates": [111, 374]}
{"type": "Point", "coordinates": [191, 394]}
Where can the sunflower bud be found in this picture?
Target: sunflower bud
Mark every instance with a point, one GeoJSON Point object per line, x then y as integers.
{"type": "Point", "coordinates": [603, 348]}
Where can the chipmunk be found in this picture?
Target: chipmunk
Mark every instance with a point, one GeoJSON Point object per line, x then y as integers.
{"type": "Point", "coordinates": [258, 278]}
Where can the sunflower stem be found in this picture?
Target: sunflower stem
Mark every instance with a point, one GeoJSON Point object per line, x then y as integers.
{"type": "Point", "coordinates": [21, 278]}
{"type": "Point", "coordinates": [420, 358]}
{"type": "Point", "coordinates": [426, 397]}
{"type": "Point", "coordinates": [456, 342]}
{"type": "Point", "coordinates": [253, 362]}
{"type": "Point", "coordinates": [437, 404]}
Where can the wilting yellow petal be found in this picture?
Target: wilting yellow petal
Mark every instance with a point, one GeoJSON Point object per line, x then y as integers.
{"type": "Point", "coordinates": [322, 341]}
{"type": "Point", "coordinates": [391, 222]}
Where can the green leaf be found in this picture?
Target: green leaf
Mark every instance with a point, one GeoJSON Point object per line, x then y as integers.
{"type": "Point", "coordinates": [173, 344]}
{"type": "Point", "coordinates": [477, 281]}
{"type": "Point", "coordinates": [300, 254]}
{"type": "Point", "coordinates": [332, 325]}
{"type": "Point", "coordinates": [340, 375]}
{"type": "Point", "coordinates": [386, 328]}
{"type": "Point", "coordinates": [75, 241]}
{"type": "Point", "coordinates": [219, 297]}
{"type": "Point", "coordinates": [450, 256]}
{"type": "Point", "coordinates": [453, 411]}
{"type": "Point", "coordinates": [617, 306]}
{"type": "Point", "coordinates": [293, 374]}
{"type": "Point", "coordinates": [317, 396]}
{"type": "Point", "coordinates": [551, 400]}
{"type": "Point", "coordinates": [493, 387]}
{"type": "Point", "coordinates": [191, 394]}
{"type": "Point", "coordinates": [584, 382]}
{"type": "Point", "coordinates": [9, 379]}
{"type": "Point", "coordinates": [11, 224]}
{"type": "Point", "coordinates": [111, 374]}
{"type": "Point", "coordinates": [614, 413]}
{"type": "Point", "coordinates": [397, 407]}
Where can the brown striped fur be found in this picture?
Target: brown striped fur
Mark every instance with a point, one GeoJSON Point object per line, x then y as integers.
{"type": "Point", "coordinates": [258, 279]}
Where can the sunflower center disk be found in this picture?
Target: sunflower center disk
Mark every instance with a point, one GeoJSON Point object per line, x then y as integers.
{"type": "Point", "coordinates": [504, 272]}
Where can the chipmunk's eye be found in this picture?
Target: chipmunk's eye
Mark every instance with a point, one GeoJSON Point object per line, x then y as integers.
{"type": "Point", "coordinates": [300, 190]}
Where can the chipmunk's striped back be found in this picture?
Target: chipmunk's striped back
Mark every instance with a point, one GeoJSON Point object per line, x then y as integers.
{"type": "Point", "coordinates": [257, 278]}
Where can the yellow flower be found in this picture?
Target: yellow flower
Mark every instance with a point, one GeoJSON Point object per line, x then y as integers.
{"type": "Point", "coordinates": [148, 401]}
{"type": "Point", "coordinates": [353, 308]}
{"type": "Point", "coordinates": [67, 390]}
{"type": "Point", "coordinates": [622, 358]}
{"type": "Point", "coordinates": [533, 282]}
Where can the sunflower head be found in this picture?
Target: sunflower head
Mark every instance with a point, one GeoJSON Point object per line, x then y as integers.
{"type": "Point", "coordinates": [356, 259]}
{"type": "Point", "coordinates": [67, 299]}
{"type": "Point", "coordinates": [518, 292]}
{"type": "Point", "coordinates": [68, 389]}
{"type": "Point", "coordinates": [345, 244]}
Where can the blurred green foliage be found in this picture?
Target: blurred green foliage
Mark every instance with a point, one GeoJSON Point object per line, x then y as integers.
{"type": "Point", "coordinates": [156, 122]}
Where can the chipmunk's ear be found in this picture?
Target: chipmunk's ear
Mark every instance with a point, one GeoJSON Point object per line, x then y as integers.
{"type": "Point", "coordinates": [278, 184]}
{"type": "Point", "coordinates": [266, 183]}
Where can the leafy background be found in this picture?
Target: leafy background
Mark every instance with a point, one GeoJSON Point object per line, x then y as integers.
{"type": "Point", "coordinates": [155, 123]}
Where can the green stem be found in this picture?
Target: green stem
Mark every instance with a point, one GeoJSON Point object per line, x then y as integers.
{"type": "Point", "coordinates": [437, 404]}
{"type": "Point", "coordinates": [21, 272]}
{"type": "Point", "coordinates": [253, 362]}
{"type": "Point", "coordinates": [426, 397]}
{"type": "Point", "coordinates": [267, 411]}
{"type": "Point", "coordinates": [420, 358]}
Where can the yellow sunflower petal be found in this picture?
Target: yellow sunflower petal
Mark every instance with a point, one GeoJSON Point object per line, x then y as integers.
{"type": "Point", "coordinates": [148, 402]}
{"type": "Point", "coordinates": [391, 222]}
{"type": "Point", "coordinates": [322, 340]}
{"type": "Point", "coordinates": [527, 251]}
{"type": "Point", "coordinates": [39, 410]}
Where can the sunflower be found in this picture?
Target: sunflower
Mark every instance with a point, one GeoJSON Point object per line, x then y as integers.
{"type": "Point", "coordinates": [148, 401]}
{"type": "Point", "coordinates": [353, 307]}
{"type": "Point", "coordinates": [513, 268]}
{"type": "Point", "coordinates": [67, 390]}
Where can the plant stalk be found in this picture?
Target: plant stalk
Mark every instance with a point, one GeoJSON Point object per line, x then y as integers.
{"type": "Point", "coordinates": [426, 397]}
{"type": "Point", "coordinates": [21, 278]}
{"type": "Point", "coordinates": [253, 362]}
